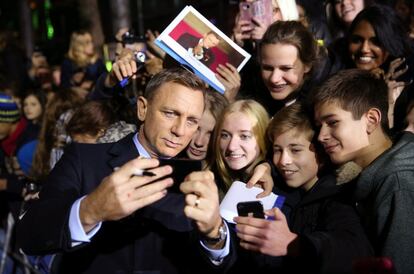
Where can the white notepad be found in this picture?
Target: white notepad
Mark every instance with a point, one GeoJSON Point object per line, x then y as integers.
{"type": "Point", "coordinates": [238, 192]}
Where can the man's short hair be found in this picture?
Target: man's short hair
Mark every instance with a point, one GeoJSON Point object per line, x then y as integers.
{"type": "Point", "coordinates": [213, 33]}
{"type": "Point", "coordinates": [356, 91]}
{"type": "Point", "coordinates": [176, 75]}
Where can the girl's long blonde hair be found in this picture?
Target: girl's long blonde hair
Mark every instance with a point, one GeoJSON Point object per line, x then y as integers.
{"type": "Point", "coordinates": [259, 118]}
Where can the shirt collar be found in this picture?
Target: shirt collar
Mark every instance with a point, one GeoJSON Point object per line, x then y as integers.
{"type": "Point", "coordinates": [141, 150]}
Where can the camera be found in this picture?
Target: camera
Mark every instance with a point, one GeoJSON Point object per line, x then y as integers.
{"type": "Point", "coordinates": [32, 187]}
{"type": "Point", "coordinates": [140, 57]}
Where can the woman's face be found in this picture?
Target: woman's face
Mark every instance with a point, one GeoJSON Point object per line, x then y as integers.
{"type": "Point", "coordinates": [277, 14]}
{"type": "Point", "coordinates": [87, 44]}
{"type": "Point", "coordinates": [347, 10]}
{"type": "Point", "coordinates": [32, 108]}
{"type": "Point", "coordinates": [364, 47]}
{"type": "Point", "coordinates": [282, 70]}
{"type": "Point", "coordinates": [238, 144]}
{"type": "Point", "coordinates": [197, 149]}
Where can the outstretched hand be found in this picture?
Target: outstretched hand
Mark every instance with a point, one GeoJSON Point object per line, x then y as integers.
{"type": "Point", "coordinates": [123, 68]}
{"type": "Point", "coordinates": [242, 30]}
{"type": "Point", "coordinates": [202, 202]}
{"type": "Point", "coordinates": [395, 87]}
{"type": "Point", "coordinates": [262, 177]}
{"type": "Point", "coordinates": [231, 80]}
{"type": "Point", "coordinates": [270, 237]}
{"type": "Point", "coordinates": [122, 193]}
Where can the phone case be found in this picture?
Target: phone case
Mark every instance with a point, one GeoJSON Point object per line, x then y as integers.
{"type": "Point", "coordinates": [262, 10]}
{"type": "Point", "coordinates": [245, 11]}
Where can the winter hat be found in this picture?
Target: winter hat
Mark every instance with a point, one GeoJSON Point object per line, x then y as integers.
{"type": "Point", "coordinates": [9, 112]}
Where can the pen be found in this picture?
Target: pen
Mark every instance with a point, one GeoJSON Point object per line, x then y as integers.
{"type": "Point", "coordinates": [139, 172]}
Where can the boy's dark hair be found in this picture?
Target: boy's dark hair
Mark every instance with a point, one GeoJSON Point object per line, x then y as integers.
{"type": "Point", "coordinates": [356, 91]}
{"type": "Point", "coordinates": [176, 75]}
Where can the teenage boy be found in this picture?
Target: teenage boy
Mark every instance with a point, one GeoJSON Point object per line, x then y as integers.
{"type": "Point", "coordinates": [351, 111]}
{"type": "Point", "coordinates": [325, 234]}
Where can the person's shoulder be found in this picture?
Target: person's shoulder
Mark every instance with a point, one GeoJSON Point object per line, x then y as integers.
{"type": "Point", "coordinates": [403, 148]}
{"type": "Point", "coordinates": [87, 150]}
{"type": "Point", "coordinates": [396, 161]}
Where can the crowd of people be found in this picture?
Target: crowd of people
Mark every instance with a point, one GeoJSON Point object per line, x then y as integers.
{"type": "Point", "coordinates": [322, 115]}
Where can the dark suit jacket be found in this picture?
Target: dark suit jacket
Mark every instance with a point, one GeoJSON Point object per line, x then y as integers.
{"type": "Point", "coordinates": [187, 41]}
{"type": "Point", "coordinates": [155, 239]}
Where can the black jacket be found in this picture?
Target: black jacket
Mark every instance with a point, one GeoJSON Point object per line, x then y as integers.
{"type": "Point", "coordinates": [155, 239]}
{"type": "Point", "coordinates": [330, 231]}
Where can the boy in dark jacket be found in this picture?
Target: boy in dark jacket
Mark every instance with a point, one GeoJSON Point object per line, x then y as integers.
{"type": "Point", "coordinates": [351, 109]}
{"type": "Point", "coordinates": [324, 233]}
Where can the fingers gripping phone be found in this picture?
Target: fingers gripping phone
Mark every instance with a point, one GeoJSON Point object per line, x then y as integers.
{"type": "Point", "coordinates": [251, 209]}
{"type": "Point", "coordinates": [181, 168]}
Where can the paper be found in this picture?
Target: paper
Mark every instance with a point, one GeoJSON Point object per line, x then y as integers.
{"type": "Point", "coordinates": [238, 192]}
{"type": "Point", "coordinates": [195, 42]}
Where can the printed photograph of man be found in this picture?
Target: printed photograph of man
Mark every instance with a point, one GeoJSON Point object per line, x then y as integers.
{"type": "Point", "coordinates": [200, 47]}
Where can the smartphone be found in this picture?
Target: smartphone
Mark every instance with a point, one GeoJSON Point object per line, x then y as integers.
{"type": "Point", "coordinates": [181, 168]}
{"type": "Point", "coordinates": [251, 209]}
{"type": "Point", "coordinates": [262, 10]}
{"type": "Point", "coordinates": [245, 11]}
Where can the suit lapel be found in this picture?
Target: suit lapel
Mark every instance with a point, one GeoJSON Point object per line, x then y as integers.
{"type": "Point", "coordinates": [123, 151]}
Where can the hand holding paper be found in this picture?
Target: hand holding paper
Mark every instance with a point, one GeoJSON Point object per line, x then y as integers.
{"type": "Point", "coordinates": [238, 192]}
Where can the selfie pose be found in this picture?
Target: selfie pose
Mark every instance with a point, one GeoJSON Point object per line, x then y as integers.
{"type": "Point", "coordinates": [324, 234]}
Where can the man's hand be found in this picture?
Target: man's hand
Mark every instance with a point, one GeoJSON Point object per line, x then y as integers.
{"type": "Point", "coordinates": [262, 177]}
{"type": "Point", "coordinates": [202, 202]}
{"type": "Point", "coordinates": [270, 237]}
{"type": "Point", "coordinates": [122, 68]}
{"type": "Point", "coordinates": [122, 193]}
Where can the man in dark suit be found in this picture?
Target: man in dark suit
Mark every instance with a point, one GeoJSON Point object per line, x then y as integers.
{"type": "Point", "coordinates": [104, 215]}
{"type": "Point", "coordinates": [200, 47]}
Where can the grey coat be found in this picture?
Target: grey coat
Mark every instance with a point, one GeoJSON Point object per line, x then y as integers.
{"type": "Point", "coordinates": [384, 193]}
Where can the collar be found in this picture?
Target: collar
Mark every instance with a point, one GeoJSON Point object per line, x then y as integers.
{"type": "Point", "coordinates": [141, 150]}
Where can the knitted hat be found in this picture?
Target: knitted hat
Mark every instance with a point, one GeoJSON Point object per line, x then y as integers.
{"type": "Point", "coordinates": [9, 112]}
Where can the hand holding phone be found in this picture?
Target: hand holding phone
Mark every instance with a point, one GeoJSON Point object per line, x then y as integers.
{"type": "Point", "coordinates": [261, 10]}
{"type": "Point", "coordinates": [245, 10]}
{"type": "Point", "coordinates": [251, 209]}
{"type": "Point", "coordinates": [181, 168]}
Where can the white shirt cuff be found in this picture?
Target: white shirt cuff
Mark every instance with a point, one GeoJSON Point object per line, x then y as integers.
{"type": "Point", "coordinates": [217, 255]}
{"type": "Point", "coordinates": [78, 235]}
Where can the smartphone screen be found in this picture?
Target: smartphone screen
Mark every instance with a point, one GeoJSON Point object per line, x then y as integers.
{"type": "Point", "coordinates": [181, 168]}
{"type": "Point", "coordinates": [251, 209]}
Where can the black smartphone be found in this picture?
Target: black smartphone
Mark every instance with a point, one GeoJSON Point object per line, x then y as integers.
{"type": "Point", "coordinates": [181, 168]}
{"type": "Point", "coordinates": [251, 209]}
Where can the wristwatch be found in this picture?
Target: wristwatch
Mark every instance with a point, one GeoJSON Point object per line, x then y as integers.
{"type": "Point", "coordinates": [222, 236]}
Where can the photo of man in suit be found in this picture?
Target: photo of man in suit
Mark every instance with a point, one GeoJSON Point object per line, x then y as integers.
{"type": "Point", "coordinates": [200, 47]}
{"type": "Point", "coordinates": [103, 215]}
